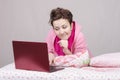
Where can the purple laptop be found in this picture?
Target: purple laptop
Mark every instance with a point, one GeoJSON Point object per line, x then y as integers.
{"type": "Point", "coordinates": [32, 56]}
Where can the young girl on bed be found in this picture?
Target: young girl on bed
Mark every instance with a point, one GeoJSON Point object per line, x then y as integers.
{"type": "Point", "coordinates": [66, 43]}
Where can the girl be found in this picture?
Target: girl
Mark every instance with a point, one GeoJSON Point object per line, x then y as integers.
{"type": "Point", "coordinates": [66, 42]}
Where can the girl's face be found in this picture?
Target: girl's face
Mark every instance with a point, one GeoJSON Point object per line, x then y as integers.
{"type": "Point", "coordinates": [62, 28]}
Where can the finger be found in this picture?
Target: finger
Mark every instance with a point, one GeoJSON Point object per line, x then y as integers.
{"type": "Point", "coordinates": [61, 45]}
{"type": "Point", "coordinates": [50, 62]}
{"type": "Point", "coordinates": [59, 42]}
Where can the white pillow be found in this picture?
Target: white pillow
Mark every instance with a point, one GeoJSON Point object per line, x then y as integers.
{"type": "Point", "coordinates": [106, 60]}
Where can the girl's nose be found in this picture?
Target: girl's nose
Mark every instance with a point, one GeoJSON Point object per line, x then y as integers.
{"type": "Point", "coordinates": [61, 31]}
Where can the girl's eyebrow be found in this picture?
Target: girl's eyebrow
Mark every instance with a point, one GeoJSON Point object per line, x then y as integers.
{"type": "Point", "coordinates": [56, 27]}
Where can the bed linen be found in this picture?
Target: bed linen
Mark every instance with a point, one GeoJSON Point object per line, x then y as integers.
{"type": "Point", "coordinates": [9, 72]}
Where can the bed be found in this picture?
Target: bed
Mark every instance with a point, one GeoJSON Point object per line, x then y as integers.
{"type": "Point", "coordinates": [92, 72]}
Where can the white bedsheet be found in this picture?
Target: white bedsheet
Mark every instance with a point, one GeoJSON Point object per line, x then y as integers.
{"type": "Point", "coordinates": [86, 73]}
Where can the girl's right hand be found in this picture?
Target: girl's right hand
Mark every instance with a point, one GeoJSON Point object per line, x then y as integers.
{"type": "Point", "coordinates": [51, 58]}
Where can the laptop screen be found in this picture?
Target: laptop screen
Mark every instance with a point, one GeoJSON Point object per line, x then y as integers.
{"type": "Point", "coordinates": [31, 55]}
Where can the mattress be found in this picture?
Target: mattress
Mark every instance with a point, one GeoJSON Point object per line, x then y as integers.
{"type": "Point", "coordinates": [9, 72]}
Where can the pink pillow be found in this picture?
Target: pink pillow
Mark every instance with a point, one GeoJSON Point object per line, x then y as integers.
{"type": "Point", "coordinates": [106, 60]}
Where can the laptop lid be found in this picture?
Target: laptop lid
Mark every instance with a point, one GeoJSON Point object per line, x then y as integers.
{"type": "Point", "coordinates": [31, 55]}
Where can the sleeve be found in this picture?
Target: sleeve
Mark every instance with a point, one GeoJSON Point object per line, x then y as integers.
{"type": "Point", "coordinates": [49, 40]}
{"type": "Point", "coordinates": [80, 44]}
{"type": "Point", "coordinates": [77, 60]}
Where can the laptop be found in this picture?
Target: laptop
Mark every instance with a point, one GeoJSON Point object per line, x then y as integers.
{"type": "Point", "coordinates": [32, 56]}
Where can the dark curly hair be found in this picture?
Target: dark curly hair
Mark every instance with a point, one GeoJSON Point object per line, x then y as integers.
{"type": "Point", "coordinates": [60, 13]}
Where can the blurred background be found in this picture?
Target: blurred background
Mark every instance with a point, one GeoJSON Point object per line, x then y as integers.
{"type": "Point", "coordinates": [27, 20]}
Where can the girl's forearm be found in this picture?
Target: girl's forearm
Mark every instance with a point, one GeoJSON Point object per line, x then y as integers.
{"type": "Point", "coordinates": [67, 51]}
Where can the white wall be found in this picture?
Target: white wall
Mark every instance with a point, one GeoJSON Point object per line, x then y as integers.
{"type": "Point", "coordinates": [28, 20]}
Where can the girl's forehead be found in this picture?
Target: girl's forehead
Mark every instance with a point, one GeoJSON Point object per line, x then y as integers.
{"type": "Point", "coordinates": [60, 22]}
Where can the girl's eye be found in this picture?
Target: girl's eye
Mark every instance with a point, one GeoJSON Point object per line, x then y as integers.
{"type": "Point", "coordinates": [64, 27]}
{"type": "Point", "coordinates": [56, 29]}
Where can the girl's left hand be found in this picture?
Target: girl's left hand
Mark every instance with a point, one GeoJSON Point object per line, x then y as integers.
{"type": "Point", "coordinates": [64, 45]}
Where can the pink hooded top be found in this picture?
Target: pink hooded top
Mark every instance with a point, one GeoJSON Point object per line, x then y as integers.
{"type": "Point", "coordinates": [78, 44]}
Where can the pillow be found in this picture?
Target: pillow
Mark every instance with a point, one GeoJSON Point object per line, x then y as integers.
{"type": "Point", "coordinates": [106, 60]}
